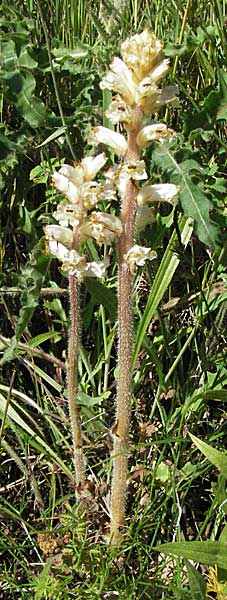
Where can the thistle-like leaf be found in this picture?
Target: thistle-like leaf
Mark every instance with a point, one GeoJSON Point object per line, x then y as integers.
{"type": "Point", "coordinates": [194, 202]}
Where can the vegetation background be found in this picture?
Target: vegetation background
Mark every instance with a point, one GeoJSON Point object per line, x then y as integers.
{"type": "Point", "coordinates": [53, 55]}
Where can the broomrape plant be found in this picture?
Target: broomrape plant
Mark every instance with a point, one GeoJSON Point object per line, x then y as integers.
{"type": "Point", "coordinates": [135, 80]}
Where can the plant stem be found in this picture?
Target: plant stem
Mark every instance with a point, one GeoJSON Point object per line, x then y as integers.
{"type": "Point", "coordinates": [121, 429]}
{"type": "Point", "coordinates": [74, 410]}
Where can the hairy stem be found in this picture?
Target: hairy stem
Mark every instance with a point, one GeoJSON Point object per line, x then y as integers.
{"type": "Point", "coordinates": [121, 428]}
{"type": "Point", "coordinates": [74, 410]}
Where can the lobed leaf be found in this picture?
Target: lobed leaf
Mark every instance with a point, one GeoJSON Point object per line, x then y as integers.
{"type": "Point", "coordinates": [194, 201]}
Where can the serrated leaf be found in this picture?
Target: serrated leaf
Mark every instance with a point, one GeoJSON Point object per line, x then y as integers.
{"type": "Point", "coordinates": [21, 91]}
{"type": "Point", "coordinates": [206, 553]}
{"type": "Point", "coordinates": [25, 59]}
{"type": "Point", "coordinates": [193, 200]}
{"type": "Point", "coordinates": [217, 458]}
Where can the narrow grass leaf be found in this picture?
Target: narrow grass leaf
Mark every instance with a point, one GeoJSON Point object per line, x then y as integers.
{"type": "Point", "coordinates": [162, 280]}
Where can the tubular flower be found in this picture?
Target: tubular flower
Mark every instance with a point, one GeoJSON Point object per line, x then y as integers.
{"type": "Point", "coordinates": [153, 133]}
{"type": "Point", "coordinates": [121, 112]}
{"type": "Point", "coordinates": [137, 255]}
{"type": "Point", "coordinates": [159, 192]}
{"type": "Point", "coordinates": [105, 227]}
{"type": "Point", "coordinates": [120, 79]}
{"type": "Point", "coordinates": [67, 214]}
{"type": "Point", "coordinates": [103, 135]}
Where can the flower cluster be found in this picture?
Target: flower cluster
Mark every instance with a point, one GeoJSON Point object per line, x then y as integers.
{"type": "Point", "coordinates": [135, 80]}
{"type": "Point", "coordinates": [77, 221]}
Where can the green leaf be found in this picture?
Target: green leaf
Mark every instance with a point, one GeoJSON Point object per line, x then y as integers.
{"type": "Point", "coordinates": [207, 553]}
{"type": "Point", "coordinates": [193, 200]}
{"type": "Point", "coordinates": [43, 337]}
{"type": "Point", "coordinates": [35, 440]}
{"type": "Point", "coordinates": [78, 52]}
{"type": "Point", "coordinates": [56, 134]}
{"type": "Point", "coordinates": [217, 458]}
{"type": "Point", "coordinates": [197, 583]}
{"type": "Point", "coordinates": [101, 294]}
{"type": "Point", "coordinates": [87, 400]}
{"type": "Point", "coordinates": [222, 573]}
{"type": "Point", "coordinates": [216, 101]}
{"type": "Point", "coordinates": [25, 59]}
{"type": "Point", "coordinates": [21, 93]}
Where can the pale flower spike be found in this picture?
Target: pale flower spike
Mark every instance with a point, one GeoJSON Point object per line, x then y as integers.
{"type": "Point", "coordinates": [135, 80]}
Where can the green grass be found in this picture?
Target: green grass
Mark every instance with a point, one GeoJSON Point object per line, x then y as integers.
{"type": "Point", "coordinates": [180, 375]}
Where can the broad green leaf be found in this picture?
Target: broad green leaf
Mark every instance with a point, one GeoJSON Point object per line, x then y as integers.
{"type": "Point", "coordinates": [78, 52]}
{"type": "Point", "coordinates": [216, 101]}
{"type": "Point", "coordinates": [194, 202]}
{"type": "Point", "coordinates": [101, 294]}
{"type": "Point", "coordinates": [207, 553]}
{"type": "Point", "coordinates": [21, 86]}
{"type": "Point", "coordinates": [217, 458]}
{"type": "Point", "coordinates": [222, 573]}
{"type": "Point", "coordinates": [196, 581]}
{"type": "Point", "coordinates": [87, 400]}
{"type": "Point", "coordinates": [25, 59]}
{"type": "Point", "coordinates": [162, 280]}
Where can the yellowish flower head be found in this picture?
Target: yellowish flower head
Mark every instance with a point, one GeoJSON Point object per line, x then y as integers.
{"type": "Point", "coordinates": [141, 53]}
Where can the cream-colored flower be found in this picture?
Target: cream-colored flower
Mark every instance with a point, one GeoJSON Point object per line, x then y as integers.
{"type": "Point", "coordinates": [59, 234]}
{"type": "Point", "coordinates": [67, 214]}
{"type": "Point", "coordinates": [160, 70]}
{"type": "Point", "coordinates": [159, 192]}
{"type": "Point", "coordinates": [151, 133]}
{"type": "Point", "coordinates": [69, 180]}
{"type": "Point", "coordinates": [120, 112]}
{"type": "Point", "coordinates": [104, 227]}
{"type": "Point", "coordinates": [57, 249]}
{"type": "Point", "coordinates": [92, 164]}
{"type": "Point", "coordinates": [135, 169]}
{"type": "Point", "coordinates": [119, 78]}
{"type": "Point", "coordinates": [65, 185]}
{"type": "Point", "coordinates": [141, 53]}
{"type": "Point", "coordinates": [103, 135]}
{"type": "Point", "coordinates": [137, 255]}
{"type": "Point", "coordinates": [95, 269]}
